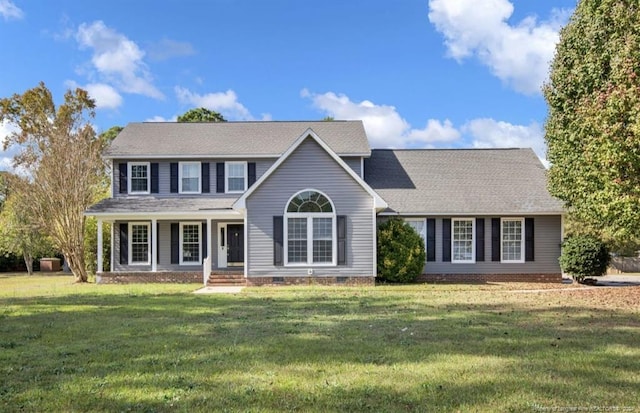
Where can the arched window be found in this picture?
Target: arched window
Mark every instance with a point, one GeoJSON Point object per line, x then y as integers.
{"type": "Point", "coordinates": [310, 235]}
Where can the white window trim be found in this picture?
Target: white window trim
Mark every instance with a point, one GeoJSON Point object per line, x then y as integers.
{"type": "Point", "coordinates": [182, 262]}
{"type": "Point", "coordinates": [522, 240]}
{"type": "Point", "coordinates": [129, 176]}
{"type": "Point", "coordinates": [130, 243]}
{"type": "Point", "coordinates": [473, 241]}
{"type": "Point", "coordinates": [309, 216]}
{"type": "Point", "coordinates": [180, 165]}
{"type": "Point", "coordinates": [226, 177]}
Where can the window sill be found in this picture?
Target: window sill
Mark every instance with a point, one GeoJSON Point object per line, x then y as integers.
{"type": "Point", "coordinates": [139, 193]}
{"type": "Point", "coordinates": [463, 262]}
{"type": "Point", "coordinates": [307, 265]}
{"type": "Point", "coordinates": [511, 262]}
{"type": "Point", "coordinates": [139, 264]}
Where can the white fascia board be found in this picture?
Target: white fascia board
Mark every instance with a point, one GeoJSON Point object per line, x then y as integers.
{"type": "Point", "coordinates": [200, 156]}
{"type": "Point", "coordinates": [211, 156]}
{"type": "Point", "coordinates": [378, 202]}
{"type": "Point", "coordinates": [126, 216]}
{"type": "Point", "coordinates": [466, 214]}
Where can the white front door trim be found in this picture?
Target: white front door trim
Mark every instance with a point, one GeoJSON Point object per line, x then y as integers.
{"type": "Point", "coordinates": [222, 242]}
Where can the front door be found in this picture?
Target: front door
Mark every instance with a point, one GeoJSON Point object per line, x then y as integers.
{"type": "Point", "coordinates": [235, 244]}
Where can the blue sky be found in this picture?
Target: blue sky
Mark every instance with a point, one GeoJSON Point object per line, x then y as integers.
{"type": "Point", "coordinates": [419, 73]}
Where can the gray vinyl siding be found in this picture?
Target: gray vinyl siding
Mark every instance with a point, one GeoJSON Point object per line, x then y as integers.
{"type": "Point", "coordinates": [310, 167]}
{"type": "Point", "coordinates": [164, 175]}
{"type": "Point", "coordinates": [355, 163]}
{"type": "Point", "coordinates": [547, 231]}
{"type": "Point", "coordinates": [164, 250]}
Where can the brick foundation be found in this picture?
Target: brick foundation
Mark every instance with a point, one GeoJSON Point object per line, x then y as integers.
{"type": "Point", "coordinates": [149, 277]}
{"type": "Point", "coordinates": [484, 278]}
{"type": "Point", "coordinates": [350, 281]}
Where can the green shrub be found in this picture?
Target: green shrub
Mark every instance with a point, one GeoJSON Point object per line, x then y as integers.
{"type": "Point", "coordinates": [584, 256]}
{"type": "Point", "coordinates": [401, 254]}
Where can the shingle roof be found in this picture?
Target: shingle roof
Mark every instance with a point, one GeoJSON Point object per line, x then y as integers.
{"type": "Point", "coordinates": [461, 181]}
{"type": "Point", "coordinates": [146, 204]}
{"type": "Point", "coordinates": [164, 139]}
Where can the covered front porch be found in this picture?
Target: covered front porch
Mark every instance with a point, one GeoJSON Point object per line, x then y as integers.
{"type": "Point", "coordinates": [189, 243]}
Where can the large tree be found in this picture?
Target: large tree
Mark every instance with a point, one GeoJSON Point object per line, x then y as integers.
{"type": "Point", "coordinates": [19, 232]}
{"type": "Point", "coordinates": [593, 127]}
{"type": "Point", "coordinates": [61, 155]}
{"type": "Point", "coordinates": [201, 115]}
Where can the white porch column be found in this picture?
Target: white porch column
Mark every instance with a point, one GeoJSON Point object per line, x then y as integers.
{"type": "Point", "coordinates": [209, 240]}
{"type": "Point", "coordinates": [154, 245]}
{"type": "Point", "coordinates": [100, 264]}
{"type": "Point", "coordinates": [113, 237]}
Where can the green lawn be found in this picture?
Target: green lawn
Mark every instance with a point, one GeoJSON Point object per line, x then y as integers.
{"type": "Point", "coordinates": [149, 348]}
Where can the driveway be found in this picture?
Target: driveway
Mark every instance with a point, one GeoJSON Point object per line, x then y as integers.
{"type": "Point", "coordinates": [619, 280]}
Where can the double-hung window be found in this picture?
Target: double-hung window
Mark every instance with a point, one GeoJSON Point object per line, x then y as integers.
{"type": "Point", "coordinates": [236, 173]}
{"type": "Point", "coordinates": [139, 243]}
{"type": "Point", "coordinates": [310, 223]}
{"type": "Point", "coordinates": [139, 177]}
{"type": "Point", "coordinates": [190, 243]}
{"type": "Point", "coordinates": [463, 240]}
{"type": "Point", "coordinates": [189, 177]}
{"type": "Point", "coordinates": [420, 226]}
{"type": "Point", "coordinates": [512, 239]}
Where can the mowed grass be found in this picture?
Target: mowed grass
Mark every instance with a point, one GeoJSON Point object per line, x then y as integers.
{"type": "Point", "coordinates": [422, 348]}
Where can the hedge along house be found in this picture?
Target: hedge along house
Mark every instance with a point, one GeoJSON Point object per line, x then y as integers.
{"type": "Point", "coordinates": [298, 202]}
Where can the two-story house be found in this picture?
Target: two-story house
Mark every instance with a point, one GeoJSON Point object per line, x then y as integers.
{"type": "Point", "coordinates": [298, 202]}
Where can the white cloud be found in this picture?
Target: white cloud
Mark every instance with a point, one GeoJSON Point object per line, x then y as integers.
{"type": "Point", "coordinates": [105, 96]}
{"type": "Point", "coordinates": [159, 118]}
{"type": "Point", "coordinates": [9, 11]}
{"type": "Point", "coordinates": [384, 125]}
{"type": "Point", "coordinates": [490, 133]}
{"type": "Point", "coordinates": [117, 59]}
{"type": "Point", "coordinates": [387, 129]}
{"type": "Point", "coordinates": [167, 49]}
{"type": "Point", "coordinates": [518, 54]}
{"type": "Point", "coordinates": [225, 103]}
{"type": "Point", "coordinates": [6, 157]}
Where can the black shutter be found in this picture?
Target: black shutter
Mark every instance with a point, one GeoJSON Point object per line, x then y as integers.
{"type": "Point", "coordinates": [495, 239]}
{"type": "Point", "coordinates": [154, 178]}
{"type": "Point", "coordinates": [446, 240]}
{"type": "Point", "coordinates": [431, 239]}
{"type": "Point", "coordinates": [204, 240]}
{"type": "Point", "coordinates": [529, 239]}
{"type": "Point", "coordinates": [479, 239]}
{"type": "Point", "coordinates": [342, 240]}
{"type": "Point", "coordinates": [123, 177]}
{"type": "Point", "coordinates": [157, 242]}
{"type": "Point", "coordinates": [124, 244]}
{"type": "Point", "coordinates": [174, 177]}
{"type": "Point", "coordinates": [175, 243]}
{"type": "Point", "coordinates": [251, 171]}
{"type": "Point", "coordinates": [220, 177]}
{"type": "Point", "coordinates": [206, 183]}
{"type": "Point", "coordinates": [278, 230]}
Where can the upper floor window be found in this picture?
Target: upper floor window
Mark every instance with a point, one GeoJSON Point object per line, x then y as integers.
{"type": "Point", "coordinates": [189, 177]}
{"type": "Point", "coordinates": [139, 177]}
{"type": "Point", "coordinates": [512, 239]}
{"type": "Point", "coordinates": [463, 240]}
{"type": "Point", "coordinates": [310, 230]}
{"type": "Point", "coordinates": [236, 173]}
